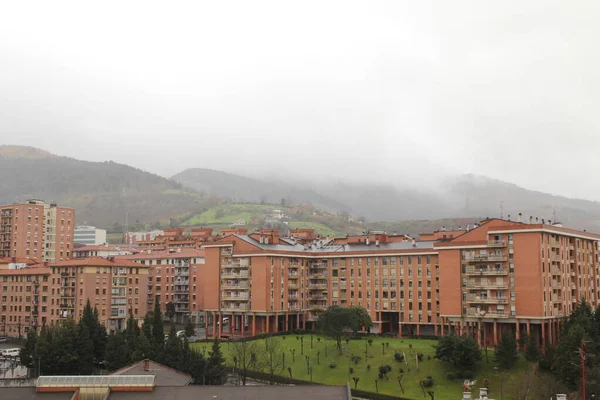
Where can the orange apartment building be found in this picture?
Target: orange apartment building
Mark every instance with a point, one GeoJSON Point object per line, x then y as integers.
{"type": "Point", "coordinates": [264, 283]}
{"type": "Point", "coordinates": [499, 275]}
{"type": "Point", "coordinates": [37, 230]}
{"type": "Point", "coordinates": [32, 295]}
{"type": "Point", "coordinates": [174, 276]}
{"type": "Point", "coordinates": [177, 238]}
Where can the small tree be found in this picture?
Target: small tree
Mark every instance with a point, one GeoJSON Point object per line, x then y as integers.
{"type": "Point", "coordinates": [356, 379]}
{"type": "Point", "coordinates": [170, 311]}
{"type": "Point", "coordinates": [27, 355]}
{"type": "Point", "coordinates": [215, 365]}
{"type": "Point", "coordinates": [243, 351]}
{"type": "Point", "coordinates": [189, 329]}
{"type": "Point", "coordinates": [532, 352]}
{"type": "Point", "coordinates": [272, 360]}
{"type": "Point", "coordinates": [336, 320]}
{"type": "Point", "coordinates": [506, 354]}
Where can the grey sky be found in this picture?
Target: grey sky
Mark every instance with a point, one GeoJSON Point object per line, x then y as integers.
{"type": "Point", "coordinates": [399, 89]}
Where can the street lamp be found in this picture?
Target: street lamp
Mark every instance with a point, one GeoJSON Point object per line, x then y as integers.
{"type": "Point", "coordinates": [501, 381]}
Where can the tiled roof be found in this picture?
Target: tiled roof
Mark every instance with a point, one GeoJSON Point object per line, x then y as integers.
{"type": "Point", "coordinates": [96, 262]}
{"type": "Point", "coordinates": [300, 392]}
{"type": "Point", "coordinates": [164, 376]}
{"type": "Point", "coordinates": [144, 255]}
{"type": "Point", "coordinates": [27, 271]}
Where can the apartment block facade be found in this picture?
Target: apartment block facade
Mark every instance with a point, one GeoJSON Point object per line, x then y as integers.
{"type": "Point", "coordinates": [501, 275]}
{"type": "Point", "coordinates": [46, 293]}
{"type": "Point", "coordinates": [37, 230]}
{"type": "Point", "coordinates": [174, 277]}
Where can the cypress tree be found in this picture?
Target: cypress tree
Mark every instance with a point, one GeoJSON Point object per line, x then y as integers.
{"type": "Point", "coordinates": [157, 326]}
{"type": "Point", "coordinates": [532, 352]}
{"type": "Point", "coordinates": [116, 352]}
{"type": "Point", "coordinates": [215, 365]}
{"type": "Point", "coordinates": [506, 354]}
{"type": "Point", "coordinates": [173, 349]}
{"type": "Point", "coordinates": [27, 354]}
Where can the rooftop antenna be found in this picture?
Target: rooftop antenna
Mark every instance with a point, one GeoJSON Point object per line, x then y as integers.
{"type": "Point", "coordinates": [502, 210]}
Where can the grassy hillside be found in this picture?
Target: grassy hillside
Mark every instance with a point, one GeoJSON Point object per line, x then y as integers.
{"type": "Point", "coordinates": [444, 388]}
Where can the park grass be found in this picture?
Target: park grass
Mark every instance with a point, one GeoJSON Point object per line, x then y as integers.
{"type": "Point", "coordinates": [320, 229]}
{"type": "Point", "coordinates": [443, 388]}
{"type": "Point", "coordinates": [229, 213]}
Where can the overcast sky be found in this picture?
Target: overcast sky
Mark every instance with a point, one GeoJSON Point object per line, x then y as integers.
{"type": "Point", "coordinates": [401, 89]}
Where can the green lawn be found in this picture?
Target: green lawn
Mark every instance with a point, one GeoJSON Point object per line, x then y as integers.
{"type": "Point", "coordinates": [229, 213]}
{"type": "Point", "coordinates": [444, 389]}
{"type": "Point", "coordinates": [320, 229]}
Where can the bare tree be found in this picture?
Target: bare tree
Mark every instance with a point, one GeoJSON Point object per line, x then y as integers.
{"type": "Point", "coordinates": [245, 354]}
{"type": "Point", "coordinates": [272, 360]}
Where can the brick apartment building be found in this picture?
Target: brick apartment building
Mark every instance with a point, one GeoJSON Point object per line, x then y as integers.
{"type": "Point", "coordinates": [177, 238]}
{"type": "Point", "coordinates": [35, 294]}
{"type": "Point", "coordinates": [499, 275]}
{"type": "Point", "coordinates": [174, 277]}
{"type": "Point", "coordinates": [37, 230]}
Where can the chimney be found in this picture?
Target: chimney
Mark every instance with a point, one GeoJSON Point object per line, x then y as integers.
{"type": "Point", "coordinates": [530, 219]}
{"type": "Point", "coordinates": [537, 220]}
{"type": "Point", "coordinates": [543, 221]}
{"type": "Point", "coordinates": [377, 242]}
{"type": "Point", "coordinates": [520, 217]}
{"type": "Point", "coordinates": [146, 365]}
{"type": "Point", "coordinates": [367, 241]}
{"type": "Point", "coordinates": [414, 243]}
{"type": "Point", "coordinates": [508, 217]}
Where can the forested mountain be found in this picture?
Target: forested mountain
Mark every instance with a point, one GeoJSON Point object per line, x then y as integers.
{"type": "Point", "coordinates": [102, 192]}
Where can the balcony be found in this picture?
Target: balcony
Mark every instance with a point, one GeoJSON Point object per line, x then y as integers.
{"type": "Point", "coordinates": [233, 275]}
{"type": "Point", "coordinates": [317, 276]}
{"type": "Point", "coordinates": [318, 286]}
{"type": "Point", "coordinates": [496, 243]}
{"type": "Point", "coordinates": [293, 307]}
{"type": "Point", "coordinates": [235, 297]}
{"type": "Point", "coordinates": [556, 258]}
{"type": "Point", "coordinates": [292, 286]}
{"type": "Point", "coordinates": [487, 300]}
{"type": "Point", "coordinates": [318, 266]}
{"type": "Point", "coordinates": [498, 257]}
{"type": "Point", "coordinates": [234, 307]}
{"type": "Point", "coordinates": [487, 285]}
{"type": "Point", "coordinates": [318, 297]}
{"type": "Point", "coordinates": [486, 271]}
{"type": "Point", "coordinates": [557, 299]}
{"type": "Point", "coordinates": [486, 314]}
{"type": "Point", "coordinates": [235, 285]}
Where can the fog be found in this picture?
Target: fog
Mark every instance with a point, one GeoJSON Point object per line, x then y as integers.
{"type": "Point", "coordinates": [398, 91]}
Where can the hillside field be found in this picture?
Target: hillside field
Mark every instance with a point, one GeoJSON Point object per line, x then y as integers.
{"type": "Point", "coordinates": [444, 389]}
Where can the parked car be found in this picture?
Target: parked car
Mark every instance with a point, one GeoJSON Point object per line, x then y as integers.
{"type": "Point", "coordinates": [3, 339]}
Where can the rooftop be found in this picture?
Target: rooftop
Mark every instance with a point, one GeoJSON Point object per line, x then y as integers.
{"type": "Point", "coordinates": [96, 262]}
{"type": "Point", "coordinates": [163, 375]}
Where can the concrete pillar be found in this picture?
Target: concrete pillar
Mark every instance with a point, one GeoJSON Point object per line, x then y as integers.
{"type": "Point", "coordinates": [518, 332]}
{"type": "Point", "coordinates": [528, 328]}
{"type": "Point", "coordinates": [442, 326]}
{"type": "Point", "coordinates": [215, 327]}
{"type": "Point", "coordinates": [435, 329]}
{"type": "Point", "coordinates": [243, 323]}
{"type": "Point", "coordinates": [479, 333]}
{"type": "Point", "coordinates": [287, 322]}
{"type": "Point", "coordinates": [543, 327]}
{"type": "Point", "coordinates": [219, 325]}
{"type": "Point", "coordinates": [253, 324]}
{"type": "Point", "coordinates": [276, 323]}
{"type": "Point", "coordinates": [418, 329]}
{"type": "Point", "coordinates": [268, 327]}
{"type": "Point", "coordinates": [495, 332]}
{"type": "Point", "coordinates": [550, 331]}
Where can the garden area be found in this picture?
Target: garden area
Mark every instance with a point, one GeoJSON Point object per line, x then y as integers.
{"type": "Point", "coordinates": [399, 367]}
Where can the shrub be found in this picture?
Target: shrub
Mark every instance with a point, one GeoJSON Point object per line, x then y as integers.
{"type": "Point", "coordinates": [355, 359]}
{"type": "Point", "coordinates": [368, 367]}
{"type": "Point", "coordinates": [466, 375]}
{"type": "Point", "coordinates": [451, 375]}
{"type": "Point", "coordinates": [428, 382]}
{"type": "Point", "coordinates": [351, 370]}
{"type": "Point", "coordinates": [370, 341]}
{"type": "Point", "coordinates": [399, 357]}
{"type": "Point", "coordinates": [331, 364]}
{"type": "Point", "coordinates": [429, 357]}
{"type": "Point", "coordinates": [420, 356]}
{"type": "Point", "coordinates": [401, 370]}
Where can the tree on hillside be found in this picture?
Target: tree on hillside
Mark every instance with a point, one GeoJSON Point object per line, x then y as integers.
{"type": "Point", "coordinates": [215, 365]}
{"type": "Point", "coordinates": [506, 354]}
{"type": "Point", "coordinates": [173, 349]}
{"type": "Point", "coordinates": [532, 352]}
{"type": "Point", "coordinates": [116, 352]}
{"type": "Point", "coordinates": [27, 355]}
{"type": "Point", "coordinates": [460, 351]}
{"type": "Point", "coordinates": [336, 320]}
{"type": "Point", "coordinates": [189, 329]}
{"type": "Point", "coordinates": [170, 311]}
{"type": "Point", "coordinates": [273, 360]}
{"type": "Point", "coordinates": [244, 353]}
